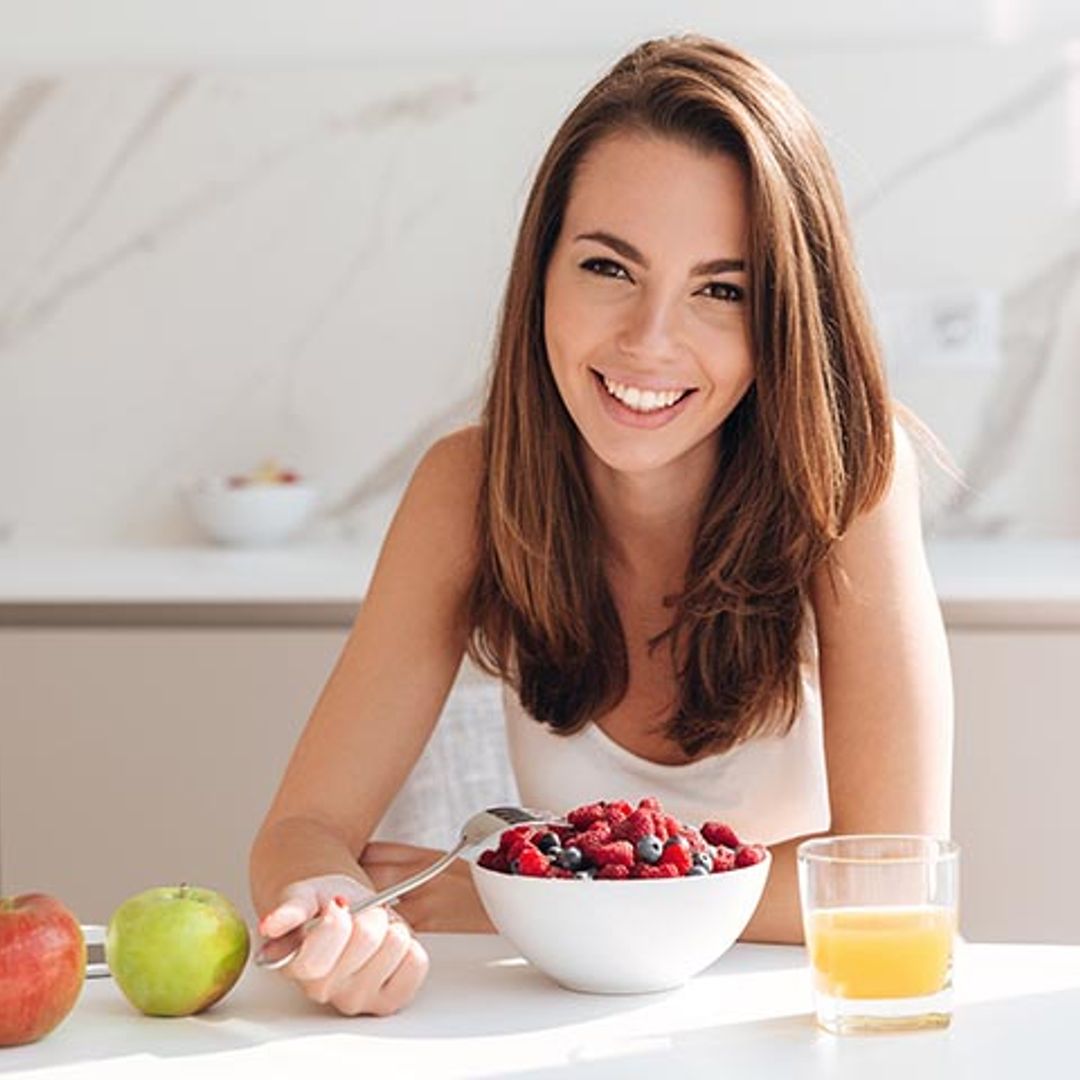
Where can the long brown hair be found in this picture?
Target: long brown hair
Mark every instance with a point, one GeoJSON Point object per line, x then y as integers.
{"type": "Point", "coordinates": [808, 447]}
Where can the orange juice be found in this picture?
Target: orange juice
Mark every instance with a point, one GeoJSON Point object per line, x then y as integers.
{"type": "Point", "coordinates": [880, 952]}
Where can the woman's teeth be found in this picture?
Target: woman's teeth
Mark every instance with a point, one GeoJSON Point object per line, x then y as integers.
{"type": "Point", "coordinates": [642, 400]}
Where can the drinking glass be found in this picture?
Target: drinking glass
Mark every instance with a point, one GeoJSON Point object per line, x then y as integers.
{"type": "Point", "coordinates": [880, 916]}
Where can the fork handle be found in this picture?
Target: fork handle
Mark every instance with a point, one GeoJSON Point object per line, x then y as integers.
{"type": "Point", "coordinates": [402, 887]}
{"type": "Point", "coordinates": [277, 952]}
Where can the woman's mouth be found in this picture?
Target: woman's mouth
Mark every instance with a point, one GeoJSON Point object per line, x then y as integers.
{"type": "Point", "coordinates": [636, 407]}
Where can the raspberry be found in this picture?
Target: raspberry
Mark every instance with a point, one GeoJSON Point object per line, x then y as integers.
{"type": "Point", "coordinates": [678, 856]}
{"type": "Point", "coordinates": [617, 853]}
{"type": "Point", "coordinates": [494, 860]}
{"type": "Point", "coordinates": [717, 832]}
{"type": "Point", "coordinates": [694, 839]}
{"type": "Point", "coordinates": [558, 871]}
{"type": "Point", "coordinates": [598, 832]}
{"type": "Point", "coordinates": [660, 870]}
{"type": "Point", "coordinates": [514, 837]}
{"type": "Point", "coordinates": [613, 871]}
{"type": "Point", "coordinates": [532, 862]}
{"type": "Point", "coordinates": [723, 858]}
{"type": "Point", "coordinates": [650, 802]}
{"type": "Point", "coordinates": [615, 812]}
{"type": "Point", "coordinates": [672, 824]}
{"type": "Point", "coordinates": [514, 846]}
{"type": "Point", "coordinates": [582, 817]}
{"type": "Point", "coordinates": [750, 855]}
{"type": "Point", "coordinates": [640, 823]}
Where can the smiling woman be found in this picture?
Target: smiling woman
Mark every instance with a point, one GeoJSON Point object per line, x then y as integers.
{"type": "Point", "coordinates": [687, 440]}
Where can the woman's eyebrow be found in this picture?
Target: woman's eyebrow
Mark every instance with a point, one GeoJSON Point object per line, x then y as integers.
{"type": "Point", "coordinates": [628, 251]}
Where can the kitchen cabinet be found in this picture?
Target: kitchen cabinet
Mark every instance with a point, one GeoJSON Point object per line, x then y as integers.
{"type": "Point", "coordinates": [133, 757]}
{"type": "Point", "coordinates": [1016, 807]}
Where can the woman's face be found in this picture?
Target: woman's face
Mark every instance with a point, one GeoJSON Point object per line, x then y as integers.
{"type": "Point", "coordinates": [646, 291]}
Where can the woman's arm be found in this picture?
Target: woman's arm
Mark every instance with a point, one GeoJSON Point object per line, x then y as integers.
{"type": "Point", "coordinates": [383, 698]}
{"type": "Point", "coordinates": [886, 688]}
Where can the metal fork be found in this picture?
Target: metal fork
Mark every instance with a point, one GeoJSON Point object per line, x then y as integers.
{"type": "Point", "coordinates": [277, 952]}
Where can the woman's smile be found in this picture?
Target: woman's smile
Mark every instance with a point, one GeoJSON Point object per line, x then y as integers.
{"type": "Point", "coordinates": [634, 407]}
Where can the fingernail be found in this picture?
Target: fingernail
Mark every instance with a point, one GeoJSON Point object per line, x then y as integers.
{"type": "Point", "coordinates": [341, 901]}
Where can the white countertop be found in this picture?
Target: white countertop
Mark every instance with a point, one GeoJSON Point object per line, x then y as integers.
{"type": "Point", "coordinates": [485, 1012]}
{"type": "Point", "coordinates": [979, 582]}
{"type": "Point", "coordinates": [185, 575]}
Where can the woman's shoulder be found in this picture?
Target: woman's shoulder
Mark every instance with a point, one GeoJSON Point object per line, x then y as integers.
{"type": "Point", "coordinates": [442, 496]}
{"type": "Point", "coordinates": [452, 467]}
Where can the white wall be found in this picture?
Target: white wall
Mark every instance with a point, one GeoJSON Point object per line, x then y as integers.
{"type": "Point", "coordinates": [170, 31]}
{"type": "Point", "coordinates": [219, 247]}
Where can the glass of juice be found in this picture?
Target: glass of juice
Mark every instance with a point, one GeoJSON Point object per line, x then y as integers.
{"type": "Point", "coordinates": [880, 917]}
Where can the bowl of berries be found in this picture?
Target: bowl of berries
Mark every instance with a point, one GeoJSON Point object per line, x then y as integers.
{"type": "Point", "coordinates": [263, 507]}
{"type": "Point", "coordinates": [617, 899]}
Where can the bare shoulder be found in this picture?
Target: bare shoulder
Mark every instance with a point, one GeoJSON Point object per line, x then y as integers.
{"type": "Point", "coordinates": [882, 553]}
{"type": "Point", "coordinates": [458, 459]}
{"type": "Point", "coordinates": [436, 520]}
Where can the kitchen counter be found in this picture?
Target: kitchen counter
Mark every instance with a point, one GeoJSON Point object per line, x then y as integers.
{"type": "Point", "coordinates": [484, 1012]}
{"type": "Point", "coordinates": [298, 585]}
{"type": "Point", "coordinates": [981, 583]}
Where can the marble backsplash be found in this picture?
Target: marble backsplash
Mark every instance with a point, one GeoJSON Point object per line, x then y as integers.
{"type": "Point", "coordinates": [202, 268]}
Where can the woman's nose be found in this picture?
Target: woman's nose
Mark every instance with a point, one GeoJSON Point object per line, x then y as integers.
{"type": "Point", "coordinates": [650, 327]}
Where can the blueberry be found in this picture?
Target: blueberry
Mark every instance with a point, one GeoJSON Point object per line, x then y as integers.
{"type": "Point", "coordinates": [571, 858]}
{"type": "Point", "coordinates": [697, 870]}
{"type": "Point", "coordinates": [553, 854]}
{"type": "Point", "coordinates": [680, 840]}
{"type": "Point", "coordinates": [515, 866]}
{"type": "Point", "coordinates": [703, 858]}
{"type": "Point", "coordinates": [585, 875]}
{"type": "Point", "coordinates": [649, 849]}
{"type": "Point", "coordinates": [546, 841]}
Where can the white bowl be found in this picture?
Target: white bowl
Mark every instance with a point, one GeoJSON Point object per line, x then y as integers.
{"type": "Point", "coordinates": [251, 516]}
{"type": "Point", "coordinates": [622, 937]}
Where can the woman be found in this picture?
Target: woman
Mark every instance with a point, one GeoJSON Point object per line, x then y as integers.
{"type": "Point", "coordinates": [686, 533]}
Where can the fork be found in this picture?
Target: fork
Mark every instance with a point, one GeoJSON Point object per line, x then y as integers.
{"type": "Point", "coordinates": [277, 952]}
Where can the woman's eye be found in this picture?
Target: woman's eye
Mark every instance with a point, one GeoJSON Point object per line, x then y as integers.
{"type": "Point", "coordinates": [726, 291]}
{"type": "Point", "coordinates": [601, 266]}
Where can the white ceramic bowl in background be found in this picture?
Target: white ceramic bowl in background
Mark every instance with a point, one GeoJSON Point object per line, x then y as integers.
{"type": "Point", "coordinates": [254, 515]}
{"type": "Point", "coordinates": [621, 937]}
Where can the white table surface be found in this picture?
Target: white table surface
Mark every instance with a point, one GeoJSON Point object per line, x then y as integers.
{"type": "Point", "coordinates": [484, 1012]}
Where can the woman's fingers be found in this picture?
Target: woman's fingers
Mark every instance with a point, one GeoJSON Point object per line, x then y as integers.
{"type": "Point", "coordinates": [324, 944]}
{"type": "Point", "coordinates": [361, 991]}
{"type": "Point", "coordinates": [401, 987]}
{"type": "Point", "coordinates": [284, 917]}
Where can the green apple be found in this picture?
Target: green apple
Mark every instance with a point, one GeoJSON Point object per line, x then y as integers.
{"type": "Point", "coordinates": [174, 951]}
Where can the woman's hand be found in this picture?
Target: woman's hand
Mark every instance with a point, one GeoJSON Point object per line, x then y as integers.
{"type": "Point", "coordinates": [446, 904]}
{"type": "Point", "coordinates": [366, 964]}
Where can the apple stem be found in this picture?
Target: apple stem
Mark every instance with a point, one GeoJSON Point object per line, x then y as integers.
{"type": "Point", "coordinates": [183, 890]}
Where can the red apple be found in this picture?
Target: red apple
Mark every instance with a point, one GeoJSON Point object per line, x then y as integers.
{"type": "Point", "coordinates": [42, 966]}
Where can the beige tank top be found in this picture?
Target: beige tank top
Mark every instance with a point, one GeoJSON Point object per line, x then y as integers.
{"type": "Point", "coordinates": [769, 789]}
